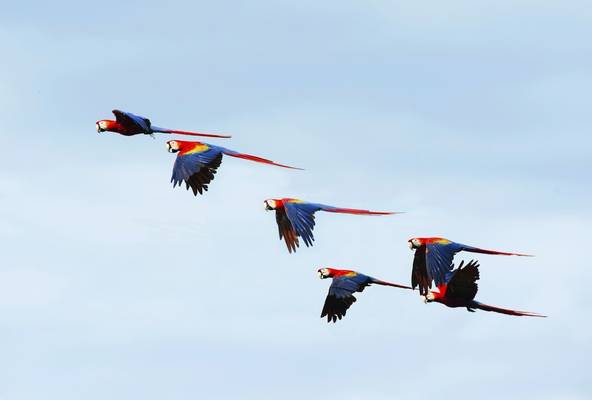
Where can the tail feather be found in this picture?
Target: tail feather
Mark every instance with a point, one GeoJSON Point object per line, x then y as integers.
{"type": "Point", "coordinates": [494, 252]}
{"type": "Point", "coordinates": [359, 212]}
{"type": "Point", "coordinates": [256, 159]}
{"type": "Point", "coordinates": [174, 131]}
{"type": "Point", "coordinates": [384, 283]}
{"type": "Point", "coordinates": [486, 307]}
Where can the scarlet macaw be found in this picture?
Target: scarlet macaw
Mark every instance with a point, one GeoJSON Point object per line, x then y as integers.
{"type": "Point", "coordinates": [345, 284]}
{"type": "Point", "coordinates": [433, 260]}
{"type": "Point", "coordinates": [460, 288]}
{"type": "Point", "coordinates": [128, 124]}
{"type": "Point", "coordinates": [197, 163]}
{"type": "Point", "coordinates": [295, 218]}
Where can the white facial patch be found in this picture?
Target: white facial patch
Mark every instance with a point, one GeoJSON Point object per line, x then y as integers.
{"type": "Point", "coordinates": [269, 203]}
{"type": "Point", "coordinates": [172, 146]}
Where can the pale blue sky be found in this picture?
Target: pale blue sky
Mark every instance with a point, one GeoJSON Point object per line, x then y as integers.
{"type": "Point", "coordinates": [473, 117]}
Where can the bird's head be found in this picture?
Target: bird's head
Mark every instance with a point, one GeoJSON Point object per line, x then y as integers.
{"type": "Point", "coordinates": [102, 125]}
{"type": "Point", "coordinates": [414, 243]}
{"type": "Point", "coordinates": [325, 273]}
{"type": "Point", "coordinates": [173, 146]}
{"type": "Point", "coordinates": [428, 298]}
{"type": "Point", "coordinates": [270, 204]}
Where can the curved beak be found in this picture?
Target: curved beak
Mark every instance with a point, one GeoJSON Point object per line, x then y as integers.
{"type": "Point", "coordinates": [99, 130]}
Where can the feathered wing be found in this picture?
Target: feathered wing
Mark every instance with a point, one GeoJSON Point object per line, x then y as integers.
{"type": "Point", "coordinates": [462, 284]}
{"type": "Point", "coordinates": [132, 121]}
{"type": "Point", "coordinates": [439, 260]}
{"type": "Point", "coordinates": [196, 169]}
{"type": "Point", "coordinates": [301, 216]}
{"type": "Point", "coordinates": [340, 297]}
{"type": "Point", "coordinates": [420, 275]}
{"type": "Point", "coordinates": [286, 230]}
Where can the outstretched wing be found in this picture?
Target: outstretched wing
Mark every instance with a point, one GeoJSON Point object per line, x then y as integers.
{"type": "Point", "coordinates": [132, 121]}
{"type": "Point", "coordinates": [462, 284]}
{"type": "Point", "coordinates": [196, 167]}
{"type": "Point", "coordinates": [301, 216]}
{"type": "Point", "coordinates": [340, 297]}
{"type": "Point", "coordinates": [286, 230]}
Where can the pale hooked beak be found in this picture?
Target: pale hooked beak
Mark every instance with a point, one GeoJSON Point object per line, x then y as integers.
{"type": "Point", "coordinates": [99, 130]}
{"type": "Point", "coordinates": [170, 149]}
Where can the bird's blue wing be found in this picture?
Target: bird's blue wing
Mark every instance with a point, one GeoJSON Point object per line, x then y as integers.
{"type": "Point", "coordinates": [439, 257]}
{"type": "Point", "coordinates": [130, 120]}
{"type": "Point", "coordinates": [301, 215]}
{"type": "Point", "coordinates": [197, 168]}
{"type": "Point", "coordinates": [340, 297]}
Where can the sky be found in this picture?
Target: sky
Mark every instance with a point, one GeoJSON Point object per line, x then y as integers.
{"type": "Point", "coordinates": [472, 117]}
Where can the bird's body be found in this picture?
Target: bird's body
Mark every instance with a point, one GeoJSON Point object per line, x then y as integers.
{"type": "Point", "coordinates": [344, 284]}
{"type": "Point", "coordinates": [460, 288]}
{"type": "Point", "coordinates": [128, 124]}
{"type": "Point", "coordinates": [295, 218]}
{"type": "Point", "coordinates": [433, 260]}
{"type": "Point", "coordinates": [197, 163]}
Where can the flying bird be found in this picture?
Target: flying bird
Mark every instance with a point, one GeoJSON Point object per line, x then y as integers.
{"type": "Point", "coordinates": [197, 163]}
{"type": "Point", "coordinates": [341, 292]}
{"type": "Point", "coordinates": [129, 124]}
{"type": "Point", "coordinates": [433, 260]}
{"type": "Point", "coordinates": [295, 218]}
{"type": "Point", "coordinates": [460, 288]}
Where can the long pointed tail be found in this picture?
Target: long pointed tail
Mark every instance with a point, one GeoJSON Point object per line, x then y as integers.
{"type": "Point", "coordinates": [358, 212]}
{"type": "Point", "coordinates": [486, 307]}
{"type": "Point", "coordinates": [495, 252]}
{"type": "Point", "coordinates": [173, 131]}
{"type": "Point", "coordinates": [256, 159]}
{"type": "Point", "coordinates": [384, 283]}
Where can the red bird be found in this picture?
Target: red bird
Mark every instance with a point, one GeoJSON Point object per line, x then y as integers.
{"type": "Point", "coordinates": [460, 288]}
{"type": "Point", "coordinates": [197, 163]}
{"type": "Point", "coordinates": [345, 284]}
{"type": "Point", "coordinates": [295, 218]}
{"type": "Point", "coordinates": [128, 124]}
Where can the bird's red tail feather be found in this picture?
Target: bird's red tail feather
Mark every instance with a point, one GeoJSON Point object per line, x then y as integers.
{"type": "Point", "coordinates": [257, 159]}
{"type": "Point", "coordinates": [495, 252]}
{"type": "Point", "coordinates": [486, 307]}
{"type": "Point", "coordinates": [360, 212]}
{"type": "Point", "coordinates": [384, 283]}
{"type": "Point", "coordinates": [193, 133]}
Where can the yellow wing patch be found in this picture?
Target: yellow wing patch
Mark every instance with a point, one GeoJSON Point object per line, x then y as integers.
{"type": "Point", "coordinates": [198, 148]}
{"type": "Point", "coordinates": [443, 241]}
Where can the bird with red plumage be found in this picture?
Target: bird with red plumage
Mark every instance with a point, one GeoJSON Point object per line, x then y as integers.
{"type": "Point", "coordinates": [459, 289]}
{"type": "Point", "coordinates": [198, 162]}
{"type": "Point", "coordinates": [128, 124]}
